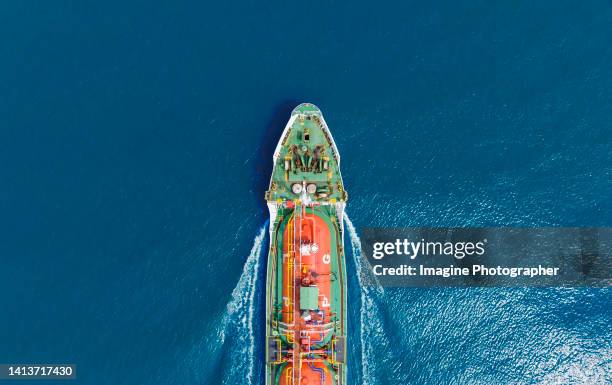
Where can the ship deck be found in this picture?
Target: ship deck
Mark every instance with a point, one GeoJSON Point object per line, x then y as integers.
{"type": "Point", "coordinates": [306, 292]}
{"type": "Point", "coordinates": [306, 322]}
{"type": "Point", "coordinates": [295, 160]}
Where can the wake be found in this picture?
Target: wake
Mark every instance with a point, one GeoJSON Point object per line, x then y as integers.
{"type": "Point", "coordinates": [238, 319]}
{"type": "Point", "coordinates": [236, 329]}
{"type": "Point", "coordinates": [372, 335]}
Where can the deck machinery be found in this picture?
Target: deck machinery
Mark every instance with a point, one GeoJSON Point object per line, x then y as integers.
{"type": "Point", "coordinates": [306, 274]}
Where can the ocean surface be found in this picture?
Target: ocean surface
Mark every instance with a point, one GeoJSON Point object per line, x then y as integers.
{"type": "Point", "coordinates": [135, 147]}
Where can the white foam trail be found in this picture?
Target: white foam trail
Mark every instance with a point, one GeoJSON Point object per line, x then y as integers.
{"type": "Point", "coordinates": [256, 250]}
{"type": "Point", "coordinates": [356, 248]}
{"type": "Point", "coordinates": [240, 312]}
{"type": "Point", "coordinates": [373, 327]}
{"type": "Point", "coordinates": [363, 272]}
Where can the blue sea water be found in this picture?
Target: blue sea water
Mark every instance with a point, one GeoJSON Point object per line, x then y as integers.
{"type": "Point", "coordinates": [136, 142]}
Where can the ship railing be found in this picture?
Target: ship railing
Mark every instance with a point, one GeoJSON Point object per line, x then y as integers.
{"type": "Point", "coordinates": [331, 319]}
{"type": "Point", "coordinates": [290, 271]}
{"type": "Point", "coordinates": [285, 327]}
{"type": "Point", "coordinates": [321, 122]}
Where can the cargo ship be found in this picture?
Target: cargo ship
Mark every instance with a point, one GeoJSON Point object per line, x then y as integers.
{"type": "Point", "coordinates": [306, 292]}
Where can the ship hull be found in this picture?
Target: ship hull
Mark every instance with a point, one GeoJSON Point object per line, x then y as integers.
{"type": "Point", "coordinates": [306, 293]}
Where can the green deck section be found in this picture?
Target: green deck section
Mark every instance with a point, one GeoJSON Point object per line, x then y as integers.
{"type": "Point", "coordinates": [307, 155]}
{"type": "Point", "coordinates": [306, 108]}
{"type": "Point", "coordinates": [297, 163]}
